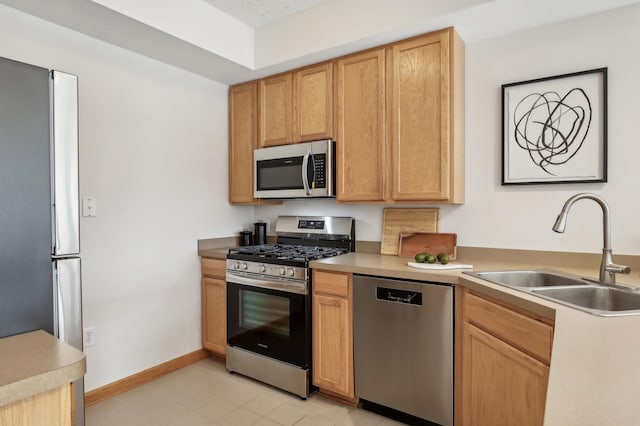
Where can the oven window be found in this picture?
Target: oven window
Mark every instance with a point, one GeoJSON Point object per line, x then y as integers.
{"type": "Point", "coordinates": [269, 322]}
{"type": "Point", "coordinates": [265, 311]}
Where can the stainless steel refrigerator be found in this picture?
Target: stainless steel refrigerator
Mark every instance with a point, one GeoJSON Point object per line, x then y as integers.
{"type": "Point", "coordinates": [40, 286]}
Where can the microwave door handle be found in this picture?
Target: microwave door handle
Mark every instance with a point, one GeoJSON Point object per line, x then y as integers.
{"type": "Point", "coordinates": [305, 166]}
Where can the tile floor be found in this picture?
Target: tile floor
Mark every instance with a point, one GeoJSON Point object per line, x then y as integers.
{"type": "Point", "coordinates": [204, 393]}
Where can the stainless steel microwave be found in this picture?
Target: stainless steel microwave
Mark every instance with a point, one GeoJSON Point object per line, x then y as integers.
{"type": "Point", "coordinates": [300, 170]}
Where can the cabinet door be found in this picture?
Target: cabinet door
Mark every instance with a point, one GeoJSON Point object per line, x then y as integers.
{"type": "Point", "coordinates": [420, 141]}
{"type": "Point", "coordinates": [214, 315]}
{"type": "Point", "coordinates": [500, 384]}
{"type": "Point", "coordinates": [243, 138]}
{"type": "Point", "coordinates": [361, 159]}
{"type": "Point", "coordinates": [275, 110]}
{"type": "Point", "coordinates": [313, 103]}
{"type": "Point", "coordinates": [333, 345]}
{"type": "Point", "coordinates": [52, 407]}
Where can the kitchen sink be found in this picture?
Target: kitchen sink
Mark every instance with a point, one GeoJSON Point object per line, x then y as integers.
{"type": "Point", "coordinates": [528, 278]}
{"type": "Point", "coordinates": [583, 294]}
{"type": "Point", "coordinates": [604, 300]}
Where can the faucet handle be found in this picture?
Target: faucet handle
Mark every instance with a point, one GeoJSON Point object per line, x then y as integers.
{"type": "Point", "coordinates": [618, 269]}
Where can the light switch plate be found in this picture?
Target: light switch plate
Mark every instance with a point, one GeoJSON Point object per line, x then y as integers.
{"type": "Point", "coordinates": [88, 207]}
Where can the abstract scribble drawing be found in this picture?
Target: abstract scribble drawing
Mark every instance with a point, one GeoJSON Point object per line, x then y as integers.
{"type": "Point", "coordinates": [552, 128]}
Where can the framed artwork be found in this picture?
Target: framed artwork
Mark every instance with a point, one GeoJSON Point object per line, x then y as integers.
{"type": "Point", "coordinates": [554, 129]}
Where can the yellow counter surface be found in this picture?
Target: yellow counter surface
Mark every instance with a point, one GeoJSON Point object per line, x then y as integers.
{"type": "Point", "coordinates": [35, 362]}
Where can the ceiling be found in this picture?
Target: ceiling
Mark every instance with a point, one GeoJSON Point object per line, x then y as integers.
{"type": "Point", "coordinates": [231, 41]}
{"type": "Point", "coordinates": [257, 13]}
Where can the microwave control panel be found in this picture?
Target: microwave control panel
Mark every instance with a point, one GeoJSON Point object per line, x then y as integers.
{"type": "Point", "coordinates": [319, 165]}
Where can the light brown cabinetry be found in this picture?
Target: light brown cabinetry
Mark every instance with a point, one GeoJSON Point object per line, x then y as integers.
{"type": "Point", "coordinates": [53, 407]}
{"type": "Point", "coordinates": [214, 306]}
{"type": "Point", "coordinates": [361, 158]}
{"type": "Point", "coordinates": [400, 121]}
{"type": "Point", "coordinates": [333, 333]}
{"type": "Point", "coordinates": [297, 106]}
{"type": "Point", "coordinates": [313, 103]}
{"type": "Point", "coordinates": [243, 138]}
{"type": "Point", "coordinates": [425, 73]}
{"type": "Point", "coordinates": [505, 364]}
{"type": "Point", "coordinates": [396, 113]}
{"type": "Point", "coordinates": [275, 110]}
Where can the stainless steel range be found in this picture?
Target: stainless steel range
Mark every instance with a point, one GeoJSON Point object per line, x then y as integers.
{"type": "Point", "coordinates": [269, 299]}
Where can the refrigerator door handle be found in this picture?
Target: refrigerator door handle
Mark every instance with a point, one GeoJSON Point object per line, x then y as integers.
{"type": "Point", "coordinates": [68, 301]}
{"type": "Point", "coordinates": [64, 164]}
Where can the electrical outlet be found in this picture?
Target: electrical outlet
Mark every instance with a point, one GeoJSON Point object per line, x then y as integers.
{"type": "Point", "coordinates": [89, 338]}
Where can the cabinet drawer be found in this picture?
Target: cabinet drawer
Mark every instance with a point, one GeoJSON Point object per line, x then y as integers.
{"type": "Point", "coordinates": [334, 283]}
{"type": "Point", "coordinates": [214, 267]}
{"type": "Point", "coordinates": [519, 330]}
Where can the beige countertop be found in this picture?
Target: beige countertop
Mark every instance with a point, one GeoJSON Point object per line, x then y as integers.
{"type": "Point", "coordinates": [36, 362]}
{"type": "Point", "coordinates": [215, 253]}
{"type": "Point", "coordinates": [594, 376]}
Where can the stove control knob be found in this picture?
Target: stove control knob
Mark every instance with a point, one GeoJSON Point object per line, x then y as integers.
{"type": "Point", "coordinates": [262, 268]}
{"type": "Point", "coordinates": [236, 265]}
{"type": "Point", "coordinates": [290, 272]}
{"type": "Point", "coordinates": [243, 266]}
{"type": "Point", "coordinates": [281, 271]}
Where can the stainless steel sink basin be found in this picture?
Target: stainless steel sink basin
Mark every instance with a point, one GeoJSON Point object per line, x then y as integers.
{"type": "Point", "coordinates": [583, 294]}
{"type": "Point", "coordinates": [601, 299]}
{"type": "Point", "coordinates": [528, 278]}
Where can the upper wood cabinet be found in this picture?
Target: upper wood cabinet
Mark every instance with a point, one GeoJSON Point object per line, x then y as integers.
{"type": "Point", "coordinates": [361, 159]}
{"type": "Point", "coordinates": [275, 110]}
{"type": "Point", "coordinates": [396, 113]}
{"type": "Point", "coordinates": [313, 103]}
{"type": "Point", "coordinates": [297, 106]}
{"type": "Point", "coordinates": [243, 138]}
{"type": "Point", "coordinates": [400, 122]}
{"type": "Point", "coordinates": [424, 143]}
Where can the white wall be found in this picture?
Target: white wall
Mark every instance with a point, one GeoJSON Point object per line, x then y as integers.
{"type": "Point", "coordinates": [521, 217]}
{"type": "Point", "coordinates": [153, 152]}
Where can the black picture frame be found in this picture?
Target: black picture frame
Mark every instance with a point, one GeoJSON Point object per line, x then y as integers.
{"type": "Point", "coordinates": [554, 129]}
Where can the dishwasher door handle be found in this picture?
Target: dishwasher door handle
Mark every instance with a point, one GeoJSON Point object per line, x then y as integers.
{"type": "Point", "coordinates": [399, 296]}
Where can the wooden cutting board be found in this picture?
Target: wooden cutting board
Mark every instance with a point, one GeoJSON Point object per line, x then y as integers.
{"type": "Point", "coordinates": [396, 221]}
{"type": "Point", "coordinates": [427, 242]}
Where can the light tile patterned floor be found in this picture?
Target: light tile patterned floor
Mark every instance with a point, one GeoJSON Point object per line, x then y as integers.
{"type": "Point", "coordinates": [206, 394]}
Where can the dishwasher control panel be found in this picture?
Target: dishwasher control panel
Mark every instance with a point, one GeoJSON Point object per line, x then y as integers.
{"type": "Point", "coordinates": [399, 296]}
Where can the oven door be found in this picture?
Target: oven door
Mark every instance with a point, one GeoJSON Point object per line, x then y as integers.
{"type": "Point", "coordinates": [269, 321]}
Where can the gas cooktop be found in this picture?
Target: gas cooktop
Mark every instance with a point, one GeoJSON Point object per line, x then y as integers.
{"type": "Point", "coordinates": [292, 252]}
{"type": "Point", "coordinates": [300, 240]}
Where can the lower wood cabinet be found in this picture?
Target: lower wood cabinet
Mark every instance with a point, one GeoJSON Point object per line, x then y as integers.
{"type": "Point", "coordinates": [333, 333]}
{"type": "Point", "coordinates": [505, 364]}
{"type": "Point", "coordinates": [214, 306]}
{"type": "Point", "coordinates": [53, 407]}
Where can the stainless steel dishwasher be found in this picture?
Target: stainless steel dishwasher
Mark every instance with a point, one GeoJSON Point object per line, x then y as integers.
{"type": "Point", "coordinates": [403, 346]}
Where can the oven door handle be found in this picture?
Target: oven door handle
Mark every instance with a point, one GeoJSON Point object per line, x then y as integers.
{"type": "Point", "coordinates": [305, 172]}
{"type": "Point", "coordinates": [285, 285]}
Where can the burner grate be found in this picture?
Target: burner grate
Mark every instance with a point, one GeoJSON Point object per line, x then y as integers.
{"type": "Point", "coordinates": [289, 252]}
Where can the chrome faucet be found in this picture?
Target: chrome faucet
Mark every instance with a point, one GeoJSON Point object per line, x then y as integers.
{"type": "Point", "coordinates": [608, 269]}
